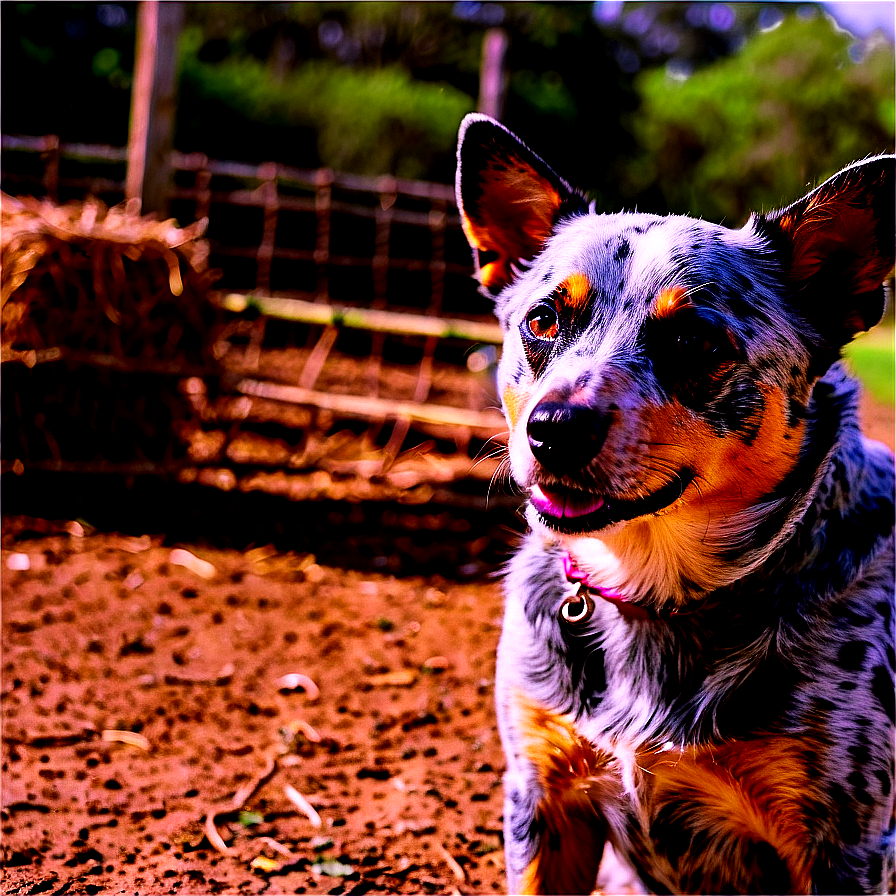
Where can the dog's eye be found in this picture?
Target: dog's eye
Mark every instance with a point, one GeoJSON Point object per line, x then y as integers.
{"type": "Point", "coordinates": [697, 343]}
{"type": "Point", "coordinates": [542, 322]}
{"type": "Point", "coordinates": [689, 342]}
{"type": "Point", "coordinates": [691, 351]}
{"type": "Point", "coordinates": [577, 609]}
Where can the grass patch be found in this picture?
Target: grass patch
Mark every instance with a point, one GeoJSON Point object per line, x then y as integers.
{"type": "Point", "coordinates": [872, 357]}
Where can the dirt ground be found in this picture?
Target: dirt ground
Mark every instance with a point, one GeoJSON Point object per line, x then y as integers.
{"type": "Point", "coordinates": [205, 695]}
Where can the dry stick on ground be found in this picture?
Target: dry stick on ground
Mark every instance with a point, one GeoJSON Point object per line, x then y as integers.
{"type": "Point", "coordinates": [303, 805]}
{"type": "Point", "coordinates": [242, 796]}
{"type": "Point", "coordinates": [455, 866]}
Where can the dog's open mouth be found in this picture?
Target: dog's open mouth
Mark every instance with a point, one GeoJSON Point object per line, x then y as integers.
{"type": "Point", "coordinates": [572, 510]}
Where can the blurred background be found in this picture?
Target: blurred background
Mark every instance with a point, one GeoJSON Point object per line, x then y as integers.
{"type": "Point", "coordinates": [322, 336]}
{"type": "Point", "coordinates": [706, 108]}
{"type": "Point", "coordinates": [253, 490]}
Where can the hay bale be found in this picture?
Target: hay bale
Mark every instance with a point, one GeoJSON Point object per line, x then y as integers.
{"type": "Point", "coordinates": [102, 279]}
{"type": "Point", "coordinates": [103, 313]}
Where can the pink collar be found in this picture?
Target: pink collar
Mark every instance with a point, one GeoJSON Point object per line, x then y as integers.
{"type": "Point", "coordinates": [575, 576]}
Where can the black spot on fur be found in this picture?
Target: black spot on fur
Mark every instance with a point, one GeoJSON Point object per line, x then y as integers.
{"type": "Point", "coordinates": [738, 410]}
{"type": "Point", "coordinates": [623, 250]}
{"type": "Point", "coordinates": [859, 783]}
{"type": "Point", "coordinates": [768, 692]}
{"type": "Point", "coordinates": [850, 830]}
{"type": "Point", "coordinates": [810, 757]}
{"type": "Point", "coordinates": [852, 655]}
{"type": "Point", "coordinates": [795, 413]}
{"type": "Point", "coordinates": [882, 688]}
{"type": "Point", "coordinates": [643, 228]}
{"type": "Point", "coordinates": [595, 675]}
{"type": "Point", "coordinates": [773, 875]}
{"type": "Point", "coordinates": [886, 782]}
{"type": "Point", "coordinates": [525, 825]}
{"type": "Point", "coordinates": [670, 835]}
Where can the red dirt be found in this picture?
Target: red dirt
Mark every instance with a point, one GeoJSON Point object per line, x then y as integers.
{"type": "Point", "coordinates": [105, 633]}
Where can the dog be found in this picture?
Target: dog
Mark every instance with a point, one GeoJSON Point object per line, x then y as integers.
{"type": "Point", "coordinates": [696, 662]}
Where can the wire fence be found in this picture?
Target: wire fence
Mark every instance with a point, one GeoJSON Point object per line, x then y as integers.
{"type": "Point", "coordinates": [352, 352]}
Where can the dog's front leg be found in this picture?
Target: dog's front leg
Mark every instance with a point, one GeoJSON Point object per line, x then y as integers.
{"type": "Point", "coordinates": [554, 832]}
{"type": "Point", "coordinates": [551, 846]}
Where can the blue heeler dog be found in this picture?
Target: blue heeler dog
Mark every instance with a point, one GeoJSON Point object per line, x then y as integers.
{"type": "Point", "coordinates": [697, 659]}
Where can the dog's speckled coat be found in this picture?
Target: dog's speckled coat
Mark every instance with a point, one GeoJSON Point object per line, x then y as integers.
{"type": "Point", "coordinates": [685, 431]}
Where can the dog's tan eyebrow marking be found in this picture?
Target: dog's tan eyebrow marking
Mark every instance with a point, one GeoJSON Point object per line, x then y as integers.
{"type": "Point", "coordinates": [573, 293]}
{"type": "Point", "coordinates": [671, 300]}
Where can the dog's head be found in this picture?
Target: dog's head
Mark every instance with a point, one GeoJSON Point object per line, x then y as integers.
{"type": "Point", "coordinates": [656, 371]}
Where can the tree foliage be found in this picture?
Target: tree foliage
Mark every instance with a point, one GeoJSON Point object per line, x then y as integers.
{"type": "Point", "coordinates": [65, 68]}
{"type": "Point", "coordinates": [367, 121]}
{"type": "Point", "coordinates": [679, 106]}
{"type": "Point", "coordinates": [752, 131]}
{"type": "Point", "coordinates": [381, 87]}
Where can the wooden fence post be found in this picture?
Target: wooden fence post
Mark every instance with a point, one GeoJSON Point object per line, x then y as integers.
{"type": "Point", "coordinates": [153, 105]}
{"type": "Point", "coordinates": [493, 74]}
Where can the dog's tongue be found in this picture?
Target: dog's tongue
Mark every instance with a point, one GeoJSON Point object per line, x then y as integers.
{"type": "Point", "coordinates": [561, 502]}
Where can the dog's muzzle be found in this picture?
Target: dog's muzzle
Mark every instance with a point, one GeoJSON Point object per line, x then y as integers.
{"type": "Point", "coordinates": [564, 438]}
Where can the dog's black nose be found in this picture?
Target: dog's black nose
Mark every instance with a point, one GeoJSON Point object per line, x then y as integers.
{"type": "Point", "coordinates": [565, 438]}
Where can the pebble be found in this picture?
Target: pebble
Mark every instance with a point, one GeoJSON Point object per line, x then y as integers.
{"type": "Point", "coordinates": [18, 562]}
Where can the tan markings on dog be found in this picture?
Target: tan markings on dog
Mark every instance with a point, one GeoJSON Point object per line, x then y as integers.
{"type": "Point", "coordinates": [513, 217]}
{"type": "Point", "coordinates": [515, 398]}
{"type": "Point", "coordinates": [731, 474]}
{"type": "Point", "coordinates": [573, 293]}
{"type": "Point", "coordinates": [574, 779]}
{"type": "Point", "coordinates": [747, 791]}
{"type": "Point", "coordinates": [669, 301]}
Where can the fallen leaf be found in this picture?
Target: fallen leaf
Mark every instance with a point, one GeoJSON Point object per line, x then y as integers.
{"type": "Point", "coordinates": [402, 679]}
{"type": "Point", "coordinates": [202, 568]}
{"type": "Point", "coordinates": [134, 580]}
{"type": "Point", "coordinates": [263, 863]}
{"type": "Point", "coordinates": [332, 869]}
{"type": "Point", "coordinates": [258, 555]}
{"type": "Point", "coordinates": [132, 738]}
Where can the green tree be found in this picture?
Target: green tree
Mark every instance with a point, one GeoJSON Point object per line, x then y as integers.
{"type": "Point", "coordinates": [752, 131]}
{"type": "Point", "coordinates": [369, 121]}
{"type": "Point", "coordinates": [381, 87]}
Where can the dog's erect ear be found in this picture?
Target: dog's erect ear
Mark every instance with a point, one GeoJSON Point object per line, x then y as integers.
{"type": "Point", "coordinates": [509, 199]}
{"type": "Point", "coordinates": [838, 243]}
